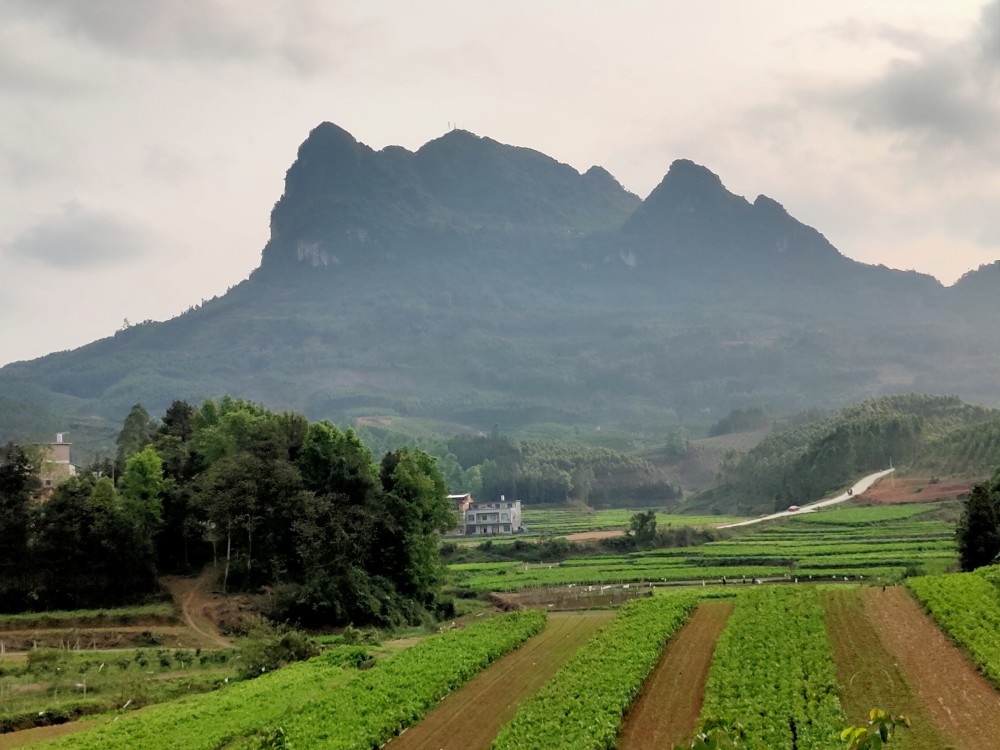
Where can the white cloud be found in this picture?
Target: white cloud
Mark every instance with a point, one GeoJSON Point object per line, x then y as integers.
{"type": "Point", "coordinates": [78, 237]}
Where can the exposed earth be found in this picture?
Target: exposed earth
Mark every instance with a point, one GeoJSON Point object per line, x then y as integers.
{"type": "Point", "coordinates": [897, 489]}
{"type": "Point", "coordinates": [667, 710]}
{"type": "Point", "coordinates": [471, 717]}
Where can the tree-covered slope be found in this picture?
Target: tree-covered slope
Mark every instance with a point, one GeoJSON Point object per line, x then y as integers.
{"type": "Point", "coordinates": [805, 462]}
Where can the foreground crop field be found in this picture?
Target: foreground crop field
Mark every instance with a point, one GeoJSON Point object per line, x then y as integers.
{"type": "Point", "coordinates": [869, 675]}
{"type": "Point", "coordinates": [584, 704]}
{"type": "Point", "coordinates": [962, 703]}
{"type": "Point", "coordinates": [667, 711]}
{"type": "Point", "coordinates": [773, 671]}
{"type": "Point", "coordinates": [494, 695]}
{"type": "Point", "coordinates": [967, 607]}
{"type": "Point", "coordinates": [366, 708]}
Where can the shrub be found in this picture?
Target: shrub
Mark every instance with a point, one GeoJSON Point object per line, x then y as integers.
{"type": "Point", "coordinates": [271, 646]}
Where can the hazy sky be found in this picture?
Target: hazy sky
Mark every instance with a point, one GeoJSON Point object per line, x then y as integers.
{"type": "Point", "coordinates": [143, 144]}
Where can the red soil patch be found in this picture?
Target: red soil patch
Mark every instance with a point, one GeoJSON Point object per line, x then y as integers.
{"type": "Point", "coordinates": [894, 490]}
{"type": "Point", "coordinates": [470, 718]}
{"type": "Point", "coordinates": [959, 700]}
{"type": "Point", "coordinates": [869, 676]}
{"type": "Point", "coordinates": [667, 710]}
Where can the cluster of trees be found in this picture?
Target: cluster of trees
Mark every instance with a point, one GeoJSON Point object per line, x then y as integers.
{"type": "Point", "coordinates": [742, 420]}
{"type": "Point", "coordinates": [978, 531]}
{"type": "Point", "coordinates": [553, 474]}
{"type": "Point", "coordinates": [301, 508]}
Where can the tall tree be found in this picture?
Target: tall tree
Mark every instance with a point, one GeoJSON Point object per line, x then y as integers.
{"type": "Point", "coordinates": [17, 484]}
{"type": "Point", "coordinates": [417, 512]}
{"type": "Point", "coordinates": [978, 532]}
{"type": "Point", "coordinates": [137, 432]}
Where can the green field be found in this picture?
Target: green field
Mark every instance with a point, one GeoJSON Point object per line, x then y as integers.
{"type": "Point", "coordinates": [562, 521]}
{"type": "Point", "coordinates": [855, 543]}
{"type": "Point", "coordinates": [53, 685]}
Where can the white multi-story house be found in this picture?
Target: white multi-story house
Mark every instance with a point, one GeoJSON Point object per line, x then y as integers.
{"type": "Point", "coordinates": [488, 519]}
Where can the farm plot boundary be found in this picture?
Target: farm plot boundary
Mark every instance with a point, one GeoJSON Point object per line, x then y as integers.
{"type": "Point", "coordinates": [959, 699]}
{"type": "Point", "coordinates": [667, 710]}
{"type": "Point", "coordinates": [470, 718]}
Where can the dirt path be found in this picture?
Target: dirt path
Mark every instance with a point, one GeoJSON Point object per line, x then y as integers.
{"type": "Point", "coordinates": [470, 718]}
{"type": "Point", "coordinates": [191, 596]}
{"type": "Point", "coordinates": [960, 701]}
{"type": "Point", "coordinates": [667, 710]}
{"type": "Point", "coordinates": [868, 674]}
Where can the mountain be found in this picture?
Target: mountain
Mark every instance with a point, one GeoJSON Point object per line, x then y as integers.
{"type": "Point", "coordinates": [474, 283]}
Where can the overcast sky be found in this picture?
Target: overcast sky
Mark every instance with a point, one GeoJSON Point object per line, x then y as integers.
{"type": "Point", "coordinates": [143, 144]}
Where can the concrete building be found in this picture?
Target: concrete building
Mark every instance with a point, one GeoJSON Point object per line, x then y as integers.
{"type": "Point", "coordinates": [488, 519]}
{"type": "Point", "coordinates": [55, 466]}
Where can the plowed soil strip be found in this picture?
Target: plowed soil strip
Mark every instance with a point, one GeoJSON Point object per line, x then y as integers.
{"type": "Point", "coordinates": [667, 711]}
{"type": "Point", "coordinates": [470, 718]}
{"type": "Point", "coordinates": [869, 677]}
{"type": "Point", "coordinates": [961, 702]}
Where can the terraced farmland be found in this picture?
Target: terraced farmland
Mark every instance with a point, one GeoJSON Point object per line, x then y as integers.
{"type": "Point", "coordinates": [852, 543]}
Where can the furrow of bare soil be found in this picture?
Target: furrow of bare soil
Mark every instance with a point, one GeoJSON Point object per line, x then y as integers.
{"type": "Point", "coordinates": [470, 718]}
{"type": "Point", "coordinates": [959, 700]}
{"type": "Point", "coordinates": [869, 676]}
{"type": "Point", "coordinates": [667, 710]}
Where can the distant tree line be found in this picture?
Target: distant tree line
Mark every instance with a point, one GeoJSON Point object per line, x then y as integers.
{"type": "Point", "coordinates": [301, 508]}
{"type": "Point", "coordinates": [741, 420]}
{"type": "Point", "coordinates": [550, 473]}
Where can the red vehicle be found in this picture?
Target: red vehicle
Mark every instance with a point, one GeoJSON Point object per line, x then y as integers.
{"type": "Point", "coordinates": [792, 508]}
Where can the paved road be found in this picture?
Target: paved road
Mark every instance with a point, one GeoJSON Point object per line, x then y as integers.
{"type": "Point", "coordinates": [857, 489]}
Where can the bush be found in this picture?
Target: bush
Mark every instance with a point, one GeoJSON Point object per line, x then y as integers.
{"type": "Point", "coordinates": [270, 647]}
{"type": "Point", "coordinates": [44, 660]}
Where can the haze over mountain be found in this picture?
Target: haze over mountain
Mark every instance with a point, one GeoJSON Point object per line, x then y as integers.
{"type": "Point", "coordinates": [477, 283]}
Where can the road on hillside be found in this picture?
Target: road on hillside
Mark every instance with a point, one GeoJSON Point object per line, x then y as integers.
{"type": "Point", "coordinates": [857, 489]}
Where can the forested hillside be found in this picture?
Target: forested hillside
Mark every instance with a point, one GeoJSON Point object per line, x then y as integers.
{"type": "Point", "coordinates": [805, 462]}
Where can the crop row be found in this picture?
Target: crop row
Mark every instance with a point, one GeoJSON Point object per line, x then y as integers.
{"type": "Point", "coordinates": [903, 528]}
{"type": "Point", "coordinates": [750, 564]}
{"type": "Point", "coordinates": [967, 607]}
{"type": "Point", "coordinates": [365, 710]}
{"type": "Point", "coordinates": [773, 671]}
{"type": "Point", "coordinates": [583, 705]}
{"type": "Point", "coordinates": [851, 516]}
{"type": "Point", "coordinates": [594, 575]}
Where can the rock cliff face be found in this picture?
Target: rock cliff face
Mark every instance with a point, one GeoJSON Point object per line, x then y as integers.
{"type": "Point", "coordinates": [479, 283]}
